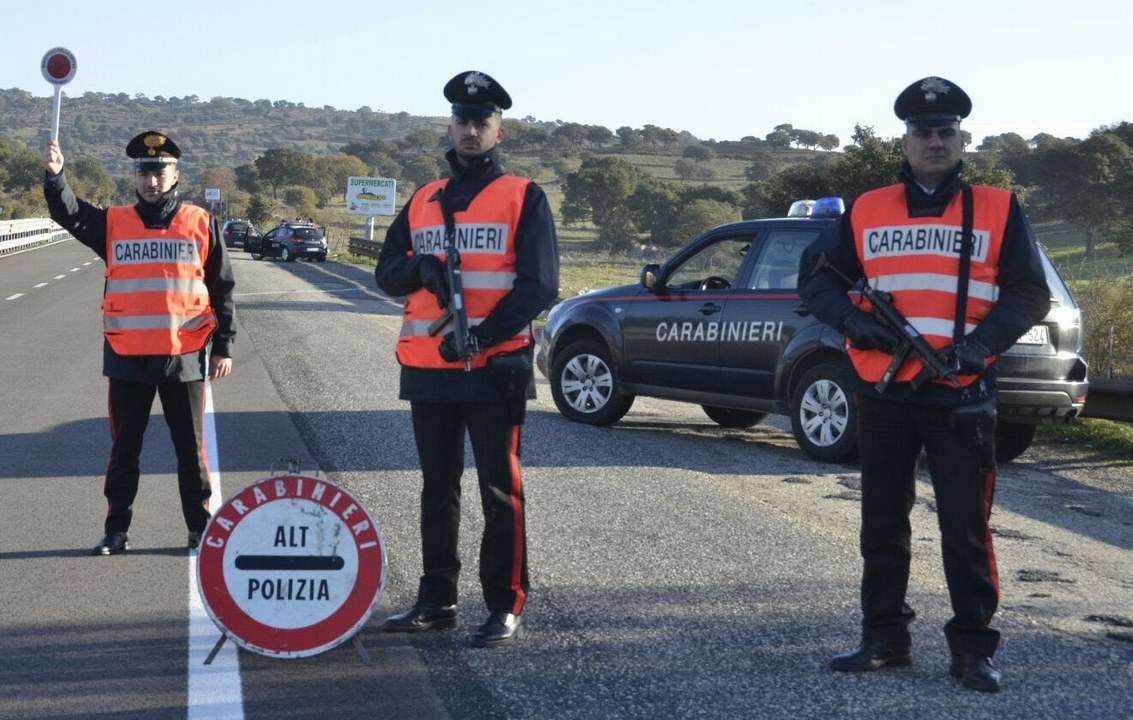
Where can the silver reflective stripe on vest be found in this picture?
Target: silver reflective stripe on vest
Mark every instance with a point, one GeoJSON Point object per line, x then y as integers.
{"type": "Point", "coordinates": [180, 286]}
{"type": "Point", "coordinates": [414, 328]}
{"type": "Point", "coordinates": [154, 322]}
{"type": "Point", "coordinates": [482, 280]}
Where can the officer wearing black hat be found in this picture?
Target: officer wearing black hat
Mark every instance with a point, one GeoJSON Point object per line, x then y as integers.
{"type": "Point", "coordinates": [500, 228]}
{"type": "Point", "coordinates": [168, 319]}
{"type": "Point", "coordinates": [963, 268]}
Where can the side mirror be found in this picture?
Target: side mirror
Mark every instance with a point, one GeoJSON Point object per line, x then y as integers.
{"type": "Point", "coordinates": [650, 276]}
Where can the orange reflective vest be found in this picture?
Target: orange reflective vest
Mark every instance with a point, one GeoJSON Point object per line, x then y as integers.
{"type": "Point", "coordinates": [485, 237]}
{"type": "Point", "coordinates": [156, 301]}
{"type": "Point", "coordinates": [917, 261]}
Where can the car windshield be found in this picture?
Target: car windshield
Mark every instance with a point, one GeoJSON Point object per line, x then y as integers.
{"type": "Point", "coordinates": [308, 234]}
{"type": "Point", "coordinates": [238, 227]}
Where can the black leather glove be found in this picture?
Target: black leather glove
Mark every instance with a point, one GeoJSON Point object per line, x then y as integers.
{"type": "Point", "coordinates": [447, 348]}
{"type": "Point", "coordinates": [431, 273]}
{"type": "Point", "coordinates": [969, 357]}
{"type": "Point", "coordinates": [866, 333]}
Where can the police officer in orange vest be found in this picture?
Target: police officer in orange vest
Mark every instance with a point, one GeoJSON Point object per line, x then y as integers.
{"type": "Point", "coordinates": [908, 239]}
{"type": "Point", "coordinates": [504, 234]}
{"type": "Point", "coordinates": [168, 322]}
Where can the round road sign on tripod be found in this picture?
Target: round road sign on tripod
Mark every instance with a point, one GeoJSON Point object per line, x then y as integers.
{"type": "Point", "coordinates": [291, 566]}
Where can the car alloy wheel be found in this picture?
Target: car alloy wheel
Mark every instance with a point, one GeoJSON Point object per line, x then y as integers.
{"type": "Point", "coordinates": [823, 418]}
{"type": "Point", "coordinates": [583, 384]}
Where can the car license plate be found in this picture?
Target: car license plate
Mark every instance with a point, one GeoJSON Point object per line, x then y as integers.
{"type": "Point", "coordinates": [1038, 335]}
{"type": "Point", "coordinates": [317, 250]}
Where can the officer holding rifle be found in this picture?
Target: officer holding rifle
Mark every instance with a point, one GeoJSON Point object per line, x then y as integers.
{"type": "Point", "coordinates": [960, 264]}
{"type": "Point", "coordinates": [477, 257]}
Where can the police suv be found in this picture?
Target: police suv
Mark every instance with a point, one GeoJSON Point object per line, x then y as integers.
{"type": "Point", "coordinates": [720, 324]}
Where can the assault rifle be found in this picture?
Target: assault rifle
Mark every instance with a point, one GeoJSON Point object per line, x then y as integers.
{"type": "Point", "coordinates": [465, 344]}
{"type": "Point", "coordinates": [932, 365]}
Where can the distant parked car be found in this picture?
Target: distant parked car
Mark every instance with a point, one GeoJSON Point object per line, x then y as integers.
{"type": "Point", "coordinates": [720, 324]}
{"type": "Point", "coordinates": [236, 232]}
{"type": "Point", "coordinates": [289, 242]}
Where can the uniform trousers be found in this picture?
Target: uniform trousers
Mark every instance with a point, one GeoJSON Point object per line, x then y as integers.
{"type": "Point", "coordinates": [182, 403]}
{"type": "Point", "coordinates": [891, 435]}
{"type": "Point", "coordinates": [439, 432]}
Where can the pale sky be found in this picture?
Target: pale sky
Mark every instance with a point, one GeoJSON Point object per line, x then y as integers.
{"type": "Point", "coordinates": [721, 69]}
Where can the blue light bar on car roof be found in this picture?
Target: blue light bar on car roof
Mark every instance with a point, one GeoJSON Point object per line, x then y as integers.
{"type": "Point", "coordinates": [828, 207]}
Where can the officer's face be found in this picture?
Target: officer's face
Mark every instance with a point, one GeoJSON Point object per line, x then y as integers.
{"type": "Point", "coordinates": [472, 137]}
{"type": "Point", "coordinates": [933, 151]}
{"type": "Point", "coordinates": [153, 183]}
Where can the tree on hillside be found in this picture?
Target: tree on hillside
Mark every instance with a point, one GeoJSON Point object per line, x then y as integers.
{"type": "Point", "coordinates": [247, 178]}
{"type": "Point", "coordinates": [222, 178]}
{"type": "Point", "coordinates": [628, 138]}
{"type": "Point", "coordinates": [700, 215]}
{"type": "Point", "coordinates": [300, 197]}
{"type": "Point", "coordinates": [423, 169]}
{"type": "Point", "coordinates": [780, 137]}
{"type": "Point", "coordinates": [699, 153]}
{"type": "Point", "coordinates": [598, 135]}
{"type": "Point", "coordinates": [279, 167]}
{"type": "Point", "coordinates": [261, 211]}
{"type": "Point", "coordinates": [572, 135]}
{"type": "Point", "coordinates": [868, 163]}
{"type": "Point", "coordinates": [422, 140]}
{"type": "Point", "coordinates": [1092, 181]}
{"type": "Point", "coordinates": [653, 208]}
{"type": "Point", "coordinates": [332, 173]}
{"type": "Point", "coordinates": [764, 166]}
{"type": "Point", "coordinates": [90, 181]}
{"type": "Point", "coordinates": [691, 170]}
{"type": "Point", "coordinates": [618, 234]}
{"type": "Point", "coordinates": [799, 182]}
{"type": "Point", "coordinates": [601, 184]}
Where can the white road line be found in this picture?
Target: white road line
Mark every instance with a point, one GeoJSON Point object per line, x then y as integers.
{"type": "Point", "coordinates": [300, 292]}
{"type": "Point", "coordinates": [36, 287]}
{"type": "Point", "coordinates": [215, 692]}
{"type": "Point", "coordinates": [75, 269]}
{"type": "Point", "coordinates": [58, 277]}
{"type": "Point", "coordinates": [17, 296]}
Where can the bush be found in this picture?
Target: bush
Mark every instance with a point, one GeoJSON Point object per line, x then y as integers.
{"type": "Point", "coordinates": [1107, 312]}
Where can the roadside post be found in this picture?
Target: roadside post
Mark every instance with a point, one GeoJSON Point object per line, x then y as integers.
{"type": "Point", "coordinates": [58, 67]}
{"type": "Point", "coordinates": [291, 566]}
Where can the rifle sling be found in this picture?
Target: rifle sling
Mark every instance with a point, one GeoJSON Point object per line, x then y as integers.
{"type": "Point", "coordinates": [966, 242]}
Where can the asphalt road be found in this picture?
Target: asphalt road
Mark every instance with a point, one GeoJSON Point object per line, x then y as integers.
{"type": "Point", "coordinates": [678, 569]}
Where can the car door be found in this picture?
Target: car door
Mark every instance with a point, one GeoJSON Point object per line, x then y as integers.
{"type": "Point", "coordinates": [764, 314]}
{"type": "Point", "coordinates": [671, 335]}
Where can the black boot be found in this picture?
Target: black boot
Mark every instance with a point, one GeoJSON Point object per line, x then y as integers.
{"type": "Point", "coordinates": [976, 672]}
{"type": "Point", "coordinates": [421, 617]}
{"type": "Point", "coordinates": [111, 543]}
{"type": "Point", "coordinates": [872, 655]}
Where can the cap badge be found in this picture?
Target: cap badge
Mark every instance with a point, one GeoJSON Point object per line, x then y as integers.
{"type": "Point", "coordinates": [152, 143]}
{"type": "Point", "coordinates": [474, 82]}
{"type": "Point", "coordinates": [933, 85]}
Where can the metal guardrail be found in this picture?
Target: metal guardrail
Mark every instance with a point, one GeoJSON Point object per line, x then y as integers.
{"type": "Point", "coordinates": [18, 235]}
{"type": "Point", "coordinates": [364, 248]}
{"type": "Point", "coordinates": [1109, 399]}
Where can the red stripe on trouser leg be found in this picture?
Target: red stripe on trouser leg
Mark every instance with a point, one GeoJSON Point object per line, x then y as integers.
{"type": "Point", "coordinates": [519, 546]}
{"type": "Point", "coordinates": [989, 494]}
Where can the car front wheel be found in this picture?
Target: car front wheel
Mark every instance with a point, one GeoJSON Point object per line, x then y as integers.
{"type": "Point", "coordinates": [583, 386]}
{"type": "Point", "coordinates": [285, 255]}
{"type": "Point", "coordinates": [822, 415]}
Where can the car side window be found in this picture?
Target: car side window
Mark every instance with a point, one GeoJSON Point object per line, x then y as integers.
{"type": "Point", "coordinates": [778, 265]}
{"type": "Point", "coordinates": [715, 266]}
